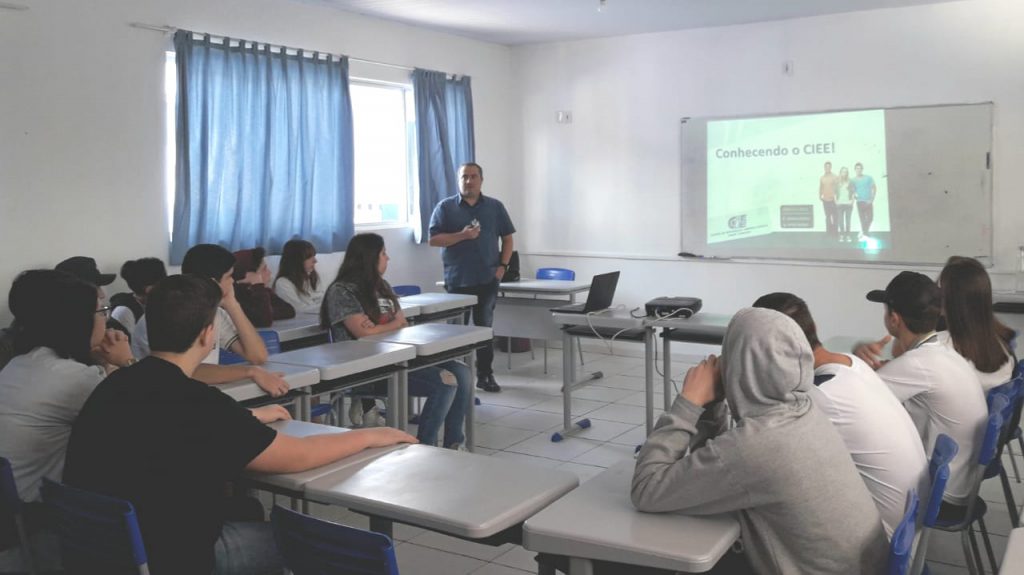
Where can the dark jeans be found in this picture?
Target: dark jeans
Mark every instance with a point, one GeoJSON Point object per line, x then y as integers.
{"type": "Point", "coordinates": [866, 213]}
{"type": "Point", "coordinates": [483, 315]}
{"type": "Point", "coordinates": [830, 217]}
{"type": "Point", "coordinates": [845, 211]}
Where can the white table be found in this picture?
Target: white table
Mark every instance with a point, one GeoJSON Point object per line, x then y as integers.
{"type": "Point", "coordinates": [439, 306]}
{"type": "Point", "coordinates": [436, 343]}
{"type": "Point", "coordinates": [523, 309]}
{"type": "Point", "coordinates": [347, 364]}
{"type": "Point", "coordinates": [299, 379]}
{"type": "Point", "coordinates": [291, 332]}
{"type": "Point", "coordinates": [597, 522]}
{"type": "Point", "coordinates": [704, 328]}
{"type": "Point", "coordinates": [462, 494]}
{"type": "Point", "coordinates": [1013, 559]}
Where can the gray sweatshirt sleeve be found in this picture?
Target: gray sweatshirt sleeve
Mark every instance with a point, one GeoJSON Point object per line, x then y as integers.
{"type": "Point", "coordinates": [668, 479]}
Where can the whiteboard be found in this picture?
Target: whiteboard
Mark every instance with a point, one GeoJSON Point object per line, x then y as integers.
{"type": "Point", "coordinates": [939, 178]}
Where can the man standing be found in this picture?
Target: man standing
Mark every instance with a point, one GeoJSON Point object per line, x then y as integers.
{"type": "Point", "coordinates": [864, 189]}
{"type": "Point", "coordinates": [468, 228]}
{"type": "Point", "coordinates": [827, 195]}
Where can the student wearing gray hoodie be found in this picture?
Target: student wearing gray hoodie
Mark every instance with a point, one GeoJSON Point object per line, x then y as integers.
{"type": "Point", "coordinates": [783, 468]}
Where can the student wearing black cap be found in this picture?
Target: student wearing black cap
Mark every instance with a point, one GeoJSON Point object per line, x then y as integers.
{"type": "Point", "coordinates": [85, 269]}
{"type": "Point", "coordinates": [936, 385]}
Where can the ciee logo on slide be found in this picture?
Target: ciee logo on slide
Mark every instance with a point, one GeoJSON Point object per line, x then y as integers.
{"type": "Point", "coordinates": [738, 222]}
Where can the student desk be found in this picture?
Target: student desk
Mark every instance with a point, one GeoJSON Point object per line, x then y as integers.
{"type": "Point", "coordinates": [438, 306]}
{"type": "Point", "coordinates": [523, 309]}
{"type": "Point", "coordinates": [705, 328]}
{"type": "Point", "coordinates": [299, 378]}
{"type": "Point", "coordinates": [300, 331]}
{"type": "Point", "coordinates": [436, 343]}
{"type": "Point", "coordinates": [1013, 559]}
{"type": "Point", "coordinates": [597, 522]}
{"type": "Point", "coordinates": [291, 484]}
{"type": "Point", "coordinates": [461, 494]}
{"type": "Point", "coordinates": [347, 364]}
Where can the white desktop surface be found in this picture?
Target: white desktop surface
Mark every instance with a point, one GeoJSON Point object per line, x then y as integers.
{"type": "Point", "coordinates": [616, 318]}
{"type": "Point", "coordinates": [433, 338]}
{"type": "Point", "coordinates": [546, 287]}
{"type": "Point", "coordinates": [298, 327]}
{"type": "Point", "coordinates": [701, 324]}
{"type": "Point", "coordinates": [453, 492]}
{"type": "Point", "coordinates": [297, 376]}
{"type": "Point", "coordinates": [437, 302]}
{"type": "Point", "coordinates": [345, 358]}
{"type": "Point", "coordinates": [295, 481]}
{"type": "Point", "coordinates": [1013, 559]}
{"type": "Point", "coordinates": [598, 521]}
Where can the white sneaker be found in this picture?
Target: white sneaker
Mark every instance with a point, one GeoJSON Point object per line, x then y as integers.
{"type": "Point", "coordinates": [458, 447]}
{"type": "Point", "coordinates": [373, 418]}
{"type": "Point", "coordinates": [355, 413]}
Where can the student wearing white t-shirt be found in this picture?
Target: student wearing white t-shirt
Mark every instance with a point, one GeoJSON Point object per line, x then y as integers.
{"type": "Point", "coordinates": [297, 281]}
{"type": "Point", "coordinates": [971, 326]}
{"type": "Point", "coordinates": [875, 428]}
{"type": "Point", "coordinates": [234, 331]}
{"type": "Point", "coordinates": [936, 385]}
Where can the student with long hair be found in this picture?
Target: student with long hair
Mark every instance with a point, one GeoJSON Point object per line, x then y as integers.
{"type": "Point", "coordinates": [971, 326]}
{"type": "Point", "coordinates": [360, 302]}
{"type": "Point", "coordinates": [141, 275]}
{"type": "Point", "coordinates": [297, 281]}
{"type": "Point", "coordinates": [63, 351]}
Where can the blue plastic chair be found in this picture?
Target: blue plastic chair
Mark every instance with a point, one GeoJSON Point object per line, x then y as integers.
{"type": "Point", "coordinates": [902, 545]}
{"type": "Point", "coordinates": [404, 290]}
{"type": "Point", "coordinates": [550, 274]}
{"type": "Point", "coordinates": [964, 517]}
{"type": "Point", "coordinates": [1014, 391]}
{"type": "Point", "coordinates": [938, 471]}
{"type": "Point", "coordinates": [12, 510]}
{"type": "Point", "coordinates": [98, 534]}
{"type": "Point", "coordinates": [312, 546]}
{"type": "Point", "coordinates": [270, 339]}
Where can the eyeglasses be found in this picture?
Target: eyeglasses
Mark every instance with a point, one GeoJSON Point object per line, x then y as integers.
{"type": "Point", "coordinates": [104, 311]}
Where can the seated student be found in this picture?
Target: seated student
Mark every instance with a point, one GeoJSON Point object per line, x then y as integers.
{"type": "Point", "coordinates": [186, 440]}
{"type": "Point", "coordinates": [141, 275]}
{"type": "Point", "coordinates": [252, 280]}
{"type": "Point", "coordinates": [63, 351]}
{"type": "Point", "coordinates": [934, 383]}
{"type": "Point", "coordinates": [802, 506]}
{"type": "Point", "coordinates": [297, 281]}
{"type": "Point", "coordinates": [876, 429]}
{"type": "Point", "coordinates": [360, 302]}
{"type": "Point", "coordinates": [971, 326]}
{"type": "Point", "coordinates": [232, 328]}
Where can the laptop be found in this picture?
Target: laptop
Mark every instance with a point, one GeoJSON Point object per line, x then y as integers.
{"type": "Point", "coordinates": [602, 292]}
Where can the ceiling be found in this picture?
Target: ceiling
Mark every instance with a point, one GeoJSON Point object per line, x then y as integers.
{"type": "Point", "coordinates": [534, 21]}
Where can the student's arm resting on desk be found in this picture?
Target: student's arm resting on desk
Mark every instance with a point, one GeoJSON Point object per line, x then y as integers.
{"type": "Point", "coordinates": [289, 454]}
{"type": "Point", "coordinates": [360, 325]}
{"type": "Point", "coordinates": [269, 381]}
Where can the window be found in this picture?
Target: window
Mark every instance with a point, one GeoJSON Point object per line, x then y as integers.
{"type": "Point", "coordinates": [384, 127]}
{"type": "Point", "coordinates": [170, 129]}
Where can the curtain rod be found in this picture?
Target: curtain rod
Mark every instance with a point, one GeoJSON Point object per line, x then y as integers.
{"type": "Point", "coordinates": [171, 30]}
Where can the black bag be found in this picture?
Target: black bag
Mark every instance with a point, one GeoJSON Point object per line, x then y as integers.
{"type": "Point", "coordinates": [512, 273]}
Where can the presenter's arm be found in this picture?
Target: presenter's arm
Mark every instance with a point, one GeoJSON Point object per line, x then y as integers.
{"type": "Point", "coordinates": [446, 240]}
{"type": "Point", "coordinates": [874, 190]}
{"type": "Point", "coordinates": [506, 255]}
{"type": "Point", "coordinates": [287, 454]}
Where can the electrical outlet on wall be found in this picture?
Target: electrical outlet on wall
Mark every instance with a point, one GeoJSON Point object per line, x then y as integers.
{"type": "Point", "coordinates": [563, 117]}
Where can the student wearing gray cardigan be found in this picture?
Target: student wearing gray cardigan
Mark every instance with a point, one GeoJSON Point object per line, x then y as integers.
{"type": "Point", "coordinates": [782, 468]}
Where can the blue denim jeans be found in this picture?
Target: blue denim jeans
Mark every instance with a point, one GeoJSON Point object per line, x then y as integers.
{"type": "Point", "coordinates": [445, 404]}
{"type": "Point", "coordinates": [247, 548]}
{"type": "Point", "coordinates": [483, 315]}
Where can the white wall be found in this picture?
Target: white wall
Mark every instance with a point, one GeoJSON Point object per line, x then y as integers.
{"type": "Point", "coordinates": [81, 118]}
{"type": "Point", "coordinates": [609, 183]}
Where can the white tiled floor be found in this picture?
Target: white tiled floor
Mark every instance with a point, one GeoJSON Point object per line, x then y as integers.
{"type": "Point", "coordinates": [517, 424]}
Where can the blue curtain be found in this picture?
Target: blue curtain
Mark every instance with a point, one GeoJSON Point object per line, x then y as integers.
{"type": "Point", "coordinates": [444, 138]}
{"type": "Point", "coordinates": [264, 147]}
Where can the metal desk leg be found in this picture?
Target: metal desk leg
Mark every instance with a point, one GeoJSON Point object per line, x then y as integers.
{"type": "Point", "coordinates": [580, 566]}
{"type": "Point", "coordinates": [398, 393]}
{"type": "Point", "coordinates": [667, 370]}
{"type": "Point", "coordinates": [470, 424]}
{"type": "Point", "coordinates": [568, 384]}
{"type": "Point", "coordinates": [649, 377]}
{"type": "Point", "coordinates": [305, 407]}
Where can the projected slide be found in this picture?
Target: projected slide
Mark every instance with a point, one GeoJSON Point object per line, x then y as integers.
{"type": "Point", "coordinates": [814, 181]}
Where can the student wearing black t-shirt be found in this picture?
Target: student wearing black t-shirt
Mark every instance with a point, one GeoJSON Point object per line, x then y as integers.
{"type": "Point", "coordinates": [155, 436]}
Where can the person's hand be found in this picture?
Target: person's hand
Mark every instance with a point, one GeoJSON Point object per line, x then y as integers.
{"type": "Point", "coordinates": [500, 272]}
{"type": "Point", "coordinates": [113, 349]}
{"type": "Point", "coordinates": [270, 413]}
{"type": "Point", "coordinates": [387, 436]}
{"type": "Point", "coordinates": [871, 352]}
{"type": "Point", "coordinates": [470, 232]}
{"type": "Point", "coordinates": [703, 382]}
{"type": "Point", "coordinates": [227, 292]}
{"type": "Point", "coordinates": [271, 382]}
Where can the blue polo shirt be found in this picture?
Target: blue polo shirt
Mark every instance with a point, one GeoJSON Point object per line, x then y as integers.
{"type": "Point", "coordinates": [862, 187]}
{"type": "Point", "coordinates": [471, 262]}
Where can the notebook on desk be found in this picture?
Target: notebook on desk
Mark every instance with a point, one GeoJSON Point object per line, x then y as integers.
{"type": "Point", "coordinates": [602, 292]}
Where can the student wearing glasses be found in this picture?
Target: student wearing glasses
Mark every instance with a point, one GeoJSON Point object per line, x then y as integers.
{"type": "Point", "coordinates": [63, 351]}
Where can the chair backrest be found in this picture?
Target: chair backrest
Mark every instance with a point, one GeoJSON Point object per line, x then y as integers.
{"type": "Point", "coordinates": [271, 340]}
{"type": "Point", "coordinates": [555, 274]}
{"type": "Point", "coordinates": [12, 519]}
{"type": "Point", "coordinates": [404, 290]}
{"type": "Point", "coordinates": [998, 412]}
{"type": "Point", "coordinates": [98, 533]}
{"type": "Point", "coordinates": [902, 544]}
{"type": "Point", "coordinates": [10, 502]}
{"type": "Point", "coordinates": [938, 470]}
{"type": "Point", "coordinates": [313, 546]}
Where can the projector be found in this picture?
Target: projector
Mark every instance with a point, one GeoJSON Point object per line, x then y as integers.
{"type": "Point", "coordinates": [675, 307]}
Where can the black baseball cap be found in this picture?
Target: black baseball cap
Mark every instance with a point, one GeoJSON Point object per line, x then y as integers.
{"type": "Point", "coordinates": [910, 294]}
{"type": "Point", "coordinates": [85, 269]}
